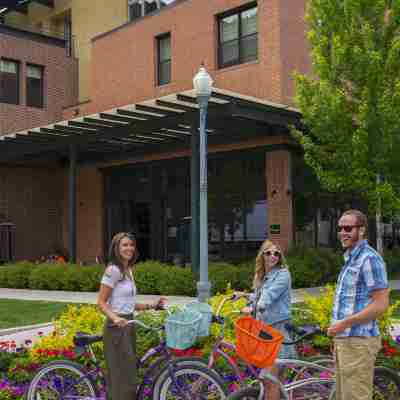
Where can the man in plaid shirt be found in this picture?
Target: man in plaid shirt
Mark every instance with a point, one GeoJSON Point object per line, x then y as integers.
{"type": "Point", "coordinates": [362, 296]}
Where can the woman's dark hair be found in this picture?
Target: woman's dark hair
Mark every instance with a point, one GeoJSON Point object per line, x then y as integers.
{"type": "Point", "coordinates": [114, 256]}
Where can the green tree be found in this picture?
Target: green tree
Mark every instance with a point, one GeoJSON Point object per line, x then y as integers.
{"type": "Point", "coordinates": [351, 102]}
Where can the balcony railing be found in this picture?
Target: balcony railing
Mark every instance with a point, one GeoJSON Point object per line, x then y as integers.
{"type": "Point", "coordinates": [31, 32]}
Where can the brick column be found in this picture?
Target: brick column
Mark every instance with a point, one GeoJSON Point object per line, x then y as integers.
{"type": "Point", "coordinates": [279, 197]}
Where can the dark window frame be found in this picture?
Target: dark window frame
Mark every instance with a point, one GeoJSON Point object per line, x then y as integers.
{"type": "Point", "coordinates": [4, 99]}
{"type": "Point", "coordinates": [29, 103]}
{"type": "Point", "coordinates": [237, 11]}
{"type": "Point", "coordinates": [160, 62]}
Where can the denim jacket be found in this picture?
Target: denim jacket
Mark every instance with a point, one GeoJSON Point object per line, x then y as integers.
{"type": "Point", "coordinates": [273, 298]}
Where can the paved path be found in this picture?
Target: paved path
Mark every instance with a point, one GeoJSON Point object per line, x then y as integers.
{"type": "Point", "coordinates": [90, 297]}
{"type": "Point", "coordinates": [20, 334]}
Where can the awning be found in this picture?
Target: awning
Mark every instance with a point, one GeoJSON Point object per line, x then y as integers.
{"type": "Point", "coordinates": [161, 124]}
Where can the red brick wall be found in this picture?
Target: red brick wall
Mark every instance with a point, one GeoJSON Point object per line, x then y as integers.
{"type": "Point", "coordinates": [295, 53]}
{"type": "Point", "coordinates": [60, 82]}
{"type": "Point", "coordinates": [31, 198]}
{"type": "Point", "coordinates": [89, 213]}
{"type": "Point", "coordinates": [124, 61]}
{"type": "Point", "coordinates": [279, 196]}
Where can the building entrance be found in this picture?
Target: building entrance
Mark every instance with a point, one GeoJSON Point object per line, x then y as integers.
{"type": "Point", "coordinates": [131, 216]}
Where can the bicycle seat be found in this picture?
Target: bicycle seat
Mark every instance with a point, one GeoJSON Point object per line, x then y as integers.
{"type": "Point", "coordinates": [84, 339]}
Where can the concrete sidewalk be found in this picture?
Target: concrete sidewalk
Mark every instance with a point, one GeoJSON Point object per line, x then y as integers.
{"type": "Point", "coordinates": [91, 297]}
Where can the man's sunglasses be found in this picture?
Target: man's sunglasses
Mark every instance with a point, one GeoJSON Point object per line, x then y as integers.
{"type": "Point", "coordinates": [269, 253]}
{"type": "Point", "coordinates": [347, 228]}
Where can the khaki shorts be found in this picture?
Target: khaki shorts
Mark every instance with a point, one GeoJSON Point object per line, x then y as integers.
{"type": "Point", "coordinates": [355, 361]}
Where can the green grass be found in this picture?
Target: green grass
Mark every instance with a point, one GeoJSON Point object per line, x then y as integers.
{"type": "Point", "coordinates": [15, 313]}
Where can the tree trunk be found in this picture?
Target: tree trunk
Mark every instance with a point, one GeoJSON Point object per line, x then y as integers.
{"type": "Point", "coordinates": [379, 225]}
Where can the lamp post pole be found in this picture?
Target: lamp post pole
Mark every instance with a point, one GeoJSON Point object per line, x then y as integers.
{"type": "Point", "coordinates": [203, 86]}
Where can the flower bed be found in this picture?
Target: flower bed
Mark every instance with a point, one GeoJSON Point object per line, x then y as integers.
{"type": "Point", "coordinates": [18, 365]}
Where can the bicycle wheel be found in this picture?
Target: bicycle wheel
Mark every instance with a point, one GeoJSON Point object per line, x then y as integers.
{"type": "Point", "coordinates": [191, 382]}
{"type": "Point", "coordinates": [61, 379]}
{"type": "Point", "coordinates": [318, 387]}
{"type": "Point", "coordinates": [247, 393]}
{"type": "Point", "coordinates": [146, 387]}
{"type": "Point", "coordinates": [386, 384]}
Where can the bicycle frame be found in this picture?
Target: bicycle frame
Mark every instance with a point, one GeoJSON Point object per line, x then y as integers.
{"type": "Point", "coordinates": [160, 353]}
{"type": "Point", "coordinates": [221, 348]}
{"type": "Point", "coordinates": [285, 389]}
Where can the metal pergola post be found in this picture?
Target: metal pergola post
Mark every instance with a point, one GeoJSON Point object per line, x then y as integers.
{"type": "Point", "coordinates": [72, 203]}
{"type": "Point", "coordinates": [195, 201]}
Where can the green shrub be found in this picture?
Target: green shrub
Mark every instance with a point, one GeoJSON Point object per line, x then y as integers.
{"type": "Point", "coordinates": [221, 274]}
{"type": "Point", "coordinates": [245, 275]}
{"type": "Point", "coordinates": [16, 275]}
{"type": "Point", "coordinates": [392, 260]}
{"type": "Point", "coordinates": [147, 276]}
{"type": "Point", "coordinates": [90, 276]}
{"type": "Point", "coordinates": [177, 281]}
{"type": "Point", "coordinates": [47, 277]}
{"type": "Point", "coordinates": [313, 267]}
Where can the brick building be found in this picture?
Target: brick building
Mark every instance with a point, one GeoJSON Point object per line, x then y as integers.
{"type": "Point", "coordinates": [39, 79]}
{"type": "Point", "coordinates": [122, 159]}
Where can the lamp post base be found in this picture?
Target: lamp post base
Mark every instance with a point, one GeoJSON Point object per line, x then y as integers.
{"type": "Point", "coordinates": [203, 291]}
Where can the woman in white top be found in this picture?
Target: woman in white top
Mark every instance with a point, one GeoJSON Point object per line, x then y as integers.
{"type": "Point", "coordinates": [117, 300]}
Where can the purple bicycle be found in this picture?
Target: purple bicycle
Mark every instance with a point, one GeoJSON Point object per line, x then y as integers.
{"type": "Point", "coordinates": [165, 377]}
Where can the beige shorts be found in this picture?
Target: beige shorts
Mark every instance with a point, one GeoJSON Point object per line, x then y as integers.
{"type": "Point", "coordinates": [355, 361]}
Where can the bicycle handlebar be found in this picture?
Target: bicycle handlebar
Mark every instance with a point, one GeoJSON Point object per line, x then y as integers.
{"type": "Point", "coordinates": [303, 332]}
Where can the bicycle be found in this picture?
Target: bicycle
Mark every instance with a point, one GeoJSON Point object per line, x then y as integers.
{"type": "Point", "coordinates": [315, 379]}
{"type": "Point", "coordinates": [184, 378]}
{"type": "Point", "coordinates": [240, 370]}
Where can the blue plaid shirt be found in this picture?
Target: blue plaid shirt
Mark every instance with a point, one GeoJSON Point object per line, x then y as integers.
{"type": "Point", "coordinates": [363, 272]}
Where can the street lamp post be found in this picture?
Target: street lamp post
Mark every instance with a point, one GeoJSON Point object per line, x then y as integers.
{"type": "Point", "coordinates": [202, 83]}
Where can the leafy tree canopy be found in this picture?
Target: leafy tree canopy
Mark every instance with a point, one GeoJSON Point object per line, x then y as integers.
{"type": "Point", "coordinates": [351, 102]}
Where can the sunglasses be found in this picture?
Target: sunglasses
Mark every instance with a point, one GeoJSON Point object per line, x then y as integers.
{"type": "Point", "coordinates": [269, 253]}
{"type": "Point", "coordinates": [347, 228]}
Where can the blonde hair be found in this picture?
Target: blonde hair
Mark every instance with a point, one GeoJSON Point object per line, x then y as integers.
{"type": "Point", "coordinates": [260, 271]}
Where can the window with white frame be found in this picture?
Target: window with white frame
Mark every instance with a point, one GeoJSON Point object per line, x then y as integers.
{"type": "Point", "coordinates": [34, 86]}
{"type": "Point", "coordinates": [9, 81]}
{"type": "Point", "coordinates": [164, 59]}
{"type": "Point", "coordinates": [238, 36]}
{"type": "Point", "coordinates": [140, 8]}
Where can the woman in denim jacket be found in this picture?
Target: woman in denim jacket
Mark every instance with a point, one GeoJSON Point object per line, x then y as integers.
{"type": "Point", "coordinates": [271, 302]}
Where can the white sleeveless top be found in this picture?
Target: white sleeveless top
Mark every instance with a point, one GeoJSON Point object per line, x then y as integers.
{"type": "Point", "coordinates": [123, 295]}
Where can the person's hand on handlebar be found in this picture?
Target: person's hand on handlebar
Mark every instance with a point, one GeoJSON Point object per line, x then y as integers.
{"type": "Point", "coordinates": [159, 304]}
{"type": "Point", "coordinates": [238, 295]}
{"type": "Point", "coordinates": [120, 322]}
{"type": "Point", "coordinates": [246, 310]}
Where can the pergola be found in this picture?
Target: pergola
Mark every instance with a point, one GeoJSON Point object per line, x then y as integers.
{"type": "Point", "coordinates": [168, 123]}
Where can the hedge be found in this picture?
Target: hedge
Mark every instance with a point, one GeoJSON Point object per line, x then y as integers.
{"type": "Point", "coordinates": [309, 267]}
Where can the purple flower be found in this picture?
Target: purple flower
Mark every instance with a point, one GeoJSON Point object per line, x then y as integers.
{"type": "Point", "coordinates": [398, 339]}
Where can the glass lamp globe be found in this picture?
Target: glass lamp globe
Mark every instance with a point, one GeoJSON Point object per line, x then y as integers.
{"type": "Point", "coordinates": [202, 82]}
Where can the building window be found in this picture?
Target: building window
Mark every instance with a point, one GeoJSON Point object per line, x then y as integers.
{"type": "Point", "coordinates": [9, 81]}
{"type": "Point", "coordinates": [150, 6]}
{"type": "Point", "coordinates": [135, 9]}
{"type": "Point", "coordinates": [164, 59]}
{"type": "Point", "coordinates": [140, 8]}
{"type": "Point", "coordinates": [238, 37]}
{"type": "Point", "coordinates": [34, 86]}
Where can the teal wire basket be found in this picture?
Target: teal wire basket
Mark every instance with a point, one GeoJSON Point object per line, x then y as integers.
{"type": "Point", "coordinates": [206, 315]}
{"type": "Point", "coordinates": [182, 328]}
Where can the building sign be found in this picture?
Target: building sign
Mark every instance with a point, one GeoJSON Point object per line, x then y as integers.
{"type": "Point", "coordinates": [275, 229]}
